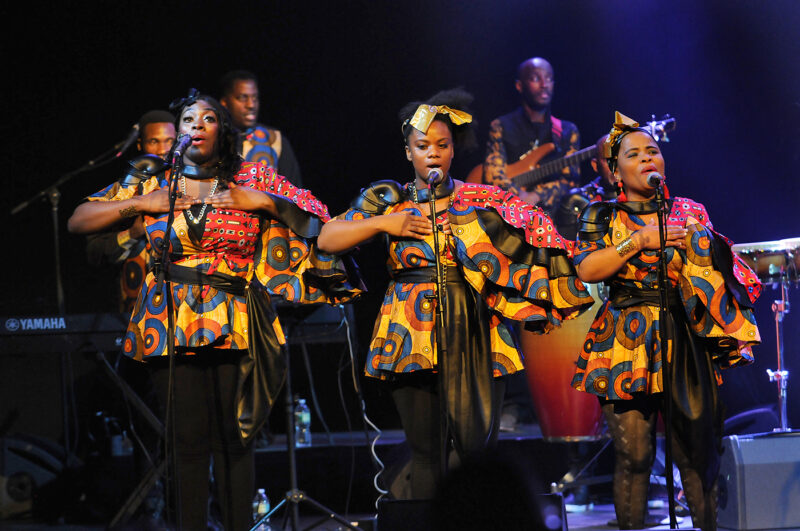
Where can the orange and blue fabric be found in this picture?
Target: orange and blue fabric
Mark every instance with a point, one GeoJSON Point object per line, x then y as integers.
{"type": "Point", "coordinates": [621, 353]}
{"type": "Point", "coordinates": [507, 251]}
{"type": "Point", "coordinates": [235, 243]}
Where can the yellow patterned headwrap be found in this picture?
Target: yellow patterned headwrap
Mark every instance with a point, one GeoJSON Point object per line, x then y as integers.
{"type": "Point", "coordinates": [622, 124]}
{"type": "Point", "coordinates": [425, 114]}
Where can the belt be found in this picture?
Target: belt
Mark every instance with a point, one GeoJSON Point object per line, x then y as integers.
{"type": "Point", "coordinates": [419, 275]}
{"type": "Point", "coordinates": [624, 296]}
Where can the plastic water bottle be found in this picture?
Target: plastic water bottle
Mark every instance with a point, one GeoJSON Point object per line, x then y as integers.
{"type": "Point", "coordinates": [260, 508]}
{"type": "Point", "coordinates": [302, 424]}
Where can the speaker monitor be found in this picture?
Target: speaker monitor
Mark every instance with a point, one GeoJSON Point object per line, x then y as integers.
{"type": "Point", "coordinates": [25, 466]}
{"type": "Point", "coordinates": [759, 483]}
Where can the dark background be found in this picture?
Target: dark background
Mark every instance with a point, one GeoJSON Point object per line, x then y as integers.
{"type": "Point", "coordinates": [334, 74]}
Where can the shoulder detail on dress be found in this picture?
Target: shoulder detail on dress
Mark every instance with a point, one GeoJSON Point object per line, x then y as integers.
{"type": "Point", "coordinates": [477, 194]}
{"type": "Point", "coordinates": [683, 207]}
{"type": "Point", "coordinates": [143, 167]}
{"type": "Point", "coordinates": [594, 221]}
{"type": "Point", "coordinates": [255, 172]}
{"type": "Point", "coordinates": [378, 196]}
{"type": "Point", "coordinates": [689, 203]}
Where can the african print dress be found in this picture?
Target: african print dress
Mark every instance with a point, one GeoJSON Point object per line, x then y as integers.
{"type": "Point", "coordinates": [280, 254]}
{"type": "Point", "coordinates": [714, 287]}
{"type": "Point", "coordinates": [506, 251]}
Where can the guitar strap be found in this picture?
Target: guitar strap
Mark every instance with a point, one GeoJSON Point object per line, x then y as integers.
{"type": "Point", "coordinates": [556, 129]}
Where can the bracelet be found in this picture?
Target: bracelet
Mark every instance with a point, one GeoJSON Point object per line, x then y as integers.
{"type": "Point", "coordinates": [129, 212]}
{"type": "Point", "coordinates": [625, 246]}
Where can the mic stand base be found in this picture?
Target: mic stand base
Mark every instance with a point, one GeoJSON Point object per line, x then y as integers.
{"type": "Point", "coordinates": [294, 496]}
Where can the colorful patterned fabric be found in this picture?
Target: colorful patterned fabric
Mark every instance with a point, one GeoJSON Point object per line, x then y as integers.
{"type": "Point", "coordinates": [131, 278]}
{"type": "Point", "coordinates": [236, 243]}
{"type": "Point", "coordinates": [268, 145]}
{"type": "Point", "coordinates": [513, 135]}
{"type": "Point", "coordinates": [403, 339]}
{"type": "Point", "coordinates": [621, 353]}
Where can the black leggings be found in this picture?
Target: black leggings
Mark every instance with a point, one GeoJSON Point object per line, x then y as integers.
{"type": "Point", "coordinates": [417, 400]}
{"type": "Point", "coordinates": [632, 424]}
{"type": "Point", "coordinates": [205, 425]}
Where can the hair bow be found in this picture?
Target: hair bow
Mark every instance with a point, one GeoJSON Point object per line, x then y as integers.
{"type": "Point", "coordinates": [180, 103]}
{"type": "Point", "coordinates": [425, 114]}
{"type": "Point", "coordinates": [622, 124]}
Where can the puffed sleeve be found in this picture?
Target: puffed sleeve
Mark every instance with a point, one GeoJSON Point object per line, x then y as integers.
{"type": "Point", "coordinates": [718, 293]}
{"type": "Point", "coordinates": [120, 191]}
{"type": "Point", "coordinates": [289, 263]}
{"type": "Point", "coordinates": [374, 200]}
{"type": "Point", "coordinates": [593, 226]}
{"type": "Point", "coordinates": [511, 254]}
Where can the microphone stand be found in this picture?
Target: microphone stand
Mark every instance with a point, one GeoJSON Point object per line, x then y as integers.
{"type": "Point", "coordinates": [162, 265]}
{"type": "Point", "coordinates": [665, 333]}
{"type": "Point", "coordinates": [52, 193]}
{"type": "Point", "coordinates": [441, 340]}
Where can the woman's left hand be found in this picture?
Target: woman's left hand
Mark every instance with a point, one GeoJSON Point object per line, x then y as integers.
{"type": "Point", "coordinates": [240, 198]}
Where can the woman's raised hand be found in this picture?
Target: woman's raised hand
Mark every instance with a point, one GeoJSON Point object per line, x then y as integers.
{"type": "Point", "coordinates": [407, 225]}
{"type": "Point", "coordinates": [158, 202]}
{"type": "Point", "coordinates": [647, 237]}
{"type": "Point", "coordinates": [240, 198]}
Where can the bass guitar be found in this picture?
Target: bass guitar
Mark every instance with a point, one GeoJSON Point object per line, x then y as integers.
{"type": "Point", "coordinates": [527, 172]}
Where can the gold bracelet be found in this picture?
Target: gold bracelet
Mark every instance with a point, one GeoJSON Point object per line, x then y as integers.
{"type": "Point", "coordinates": [625, 246]}
{"type": "Point", "coordinates": [129, 212]}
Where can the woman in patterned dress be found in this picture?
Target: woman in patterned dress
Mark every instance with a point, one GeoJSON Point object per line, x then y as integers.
{"type": "Point", "coordinates": [240, 234]}
{"type": "Point", "coordinates": [710, 298]}
{"type": "Point", "coordinates": [502, 260]}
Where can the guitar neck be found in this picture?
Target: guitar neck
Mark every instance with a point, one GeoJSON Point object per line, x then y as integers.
{"type": "Point", "coordinates": [534, 176]}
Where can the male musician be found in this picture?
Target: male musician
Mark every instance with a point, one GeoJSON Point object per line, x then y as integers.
{"type": "Point", "coordinates": [156, 136]}
{"type": "Point", "coordinates": [239, 94]}
{"type": "Point", "coordinates": [528, 132]}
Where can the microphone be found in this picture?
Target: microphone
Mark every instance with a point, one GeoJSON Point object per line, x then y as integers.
{"type": "Point", "coordinates": [125, 144]}
{"type": "Point", "coordinates": [434, 176]}
{"type": "Point", "coordinates": [654, 180]}
{"type": "Point", "coordinates": [181, 144]}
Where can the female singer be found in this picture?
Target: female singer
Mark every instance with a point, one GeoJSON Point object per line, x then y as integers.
{"type": "Point", "coordinates": [710, 298]}
{"type": "Point", "coordinates": [500, 259]}
{"type": "Point", "coordinates": [240, 233]}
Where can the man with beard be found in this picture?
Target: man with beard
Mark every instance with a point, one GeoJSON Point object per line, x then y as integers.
{"type": "Point", "coordinates": [527, 133]}
{"type": "Point", "coordinates": [259, 143]}
{"type": "Point", "coordinates": [515, 140]}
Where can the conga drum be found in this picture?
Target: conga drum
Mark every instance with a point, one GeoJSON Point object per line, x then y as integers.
{"type": "Point", "coordinates": [564, 414]}
{"type": "Point", "coordinates": [773, 262]}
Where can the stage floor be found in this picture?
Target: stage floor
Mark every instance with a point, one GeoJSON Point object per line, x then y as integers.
{"type": "Point", "coordinates": [340, 462]}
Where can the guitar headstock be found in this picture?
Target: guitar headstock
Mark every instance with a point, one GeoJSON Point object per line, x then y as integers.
{"type": "Point", "coordinates": [659, 128]}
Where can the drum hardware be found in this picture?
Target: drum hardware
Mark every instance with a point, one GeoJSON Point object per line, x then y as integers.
{"type": "Point", "coordinates": [776, 263]}
{"type": "Point", "coordinates": [574, 476]}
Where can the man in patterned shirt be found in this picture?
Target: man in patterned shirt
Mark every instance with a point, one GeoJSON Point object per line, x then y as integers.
{"type": "Point", "coordinates": [127, 245]}
{"type": "Point", "coordinates": [239, 94]}
{"type": "Point", "coordinates": [529, 131]}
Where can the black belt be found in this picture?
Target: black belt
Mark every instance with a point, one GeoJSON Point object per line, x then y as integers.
{"type": "Point", "coordinates": [419, 275]}
{"type": "Point", "coordinates": [189, 275]}
{"type": "Point", "coordinates": [624, 296]}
